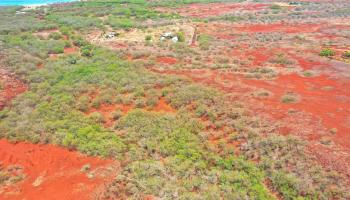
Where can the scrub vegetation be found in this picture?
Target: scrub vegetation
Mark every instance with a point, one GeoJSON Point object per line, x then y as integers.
{"type": "Point", "coordinates": [174, 137]}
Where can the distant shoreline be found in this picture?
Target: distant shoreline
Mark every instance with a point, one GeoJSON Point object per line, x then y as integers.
{"type": "Point", "coordinates": [35, 5]}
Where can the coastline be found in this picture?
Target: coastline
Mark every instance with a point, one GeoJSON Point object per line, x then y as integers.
{"type": "Point", "coordinates": [36, 5]}
{"type": "Point", "coordinates": [32, 6]}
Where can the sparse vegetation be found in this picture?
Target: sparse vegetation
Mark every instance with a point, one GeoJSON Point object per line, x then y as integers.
{"type": "Point", "coordinates": [181, 36]}
{"type": "Point", "coordinates": [275, 7]}
{"type": "Point", "coordinates": [204, 41]}
{"type": "Point", "coordinates": [289, 98]}
{"type": "Point", "coordinates": [148, 38]}
{"type": "Point", "coordinates": [327, 52]}
{"type": "Point", "coordinates": [347, 54]}
{"type": "Point", "coordinates": [190, 136]}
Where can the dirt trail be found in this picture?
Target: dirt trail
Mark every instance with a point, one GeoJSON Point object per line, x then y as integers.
{"type": "Point", "coordinates": [53, 173]}
{"type": "Point", "coordinates": [194, 38]}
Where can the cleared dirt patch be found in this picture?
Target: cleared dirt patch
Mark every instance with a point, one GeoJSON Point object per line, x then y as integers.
{"type": "Point", "coordinates": [163, 106]}
{"type": "Point", "coordinates": [279, 27]}
{"type": "Point", "coordinates": [106, 110]}
{"type": "Point", "coordinates": [139, 35]}
{"type": "Point", "coordinates": [46, 33]}
{"type": "Point", "coordinates": [214, 9]}
{"type": "Point", "coordinates": [167, 60]}
{"type": "Point", "coordinates": [70, 50]}
{"type": "Point", "coordinates": [48, 168]}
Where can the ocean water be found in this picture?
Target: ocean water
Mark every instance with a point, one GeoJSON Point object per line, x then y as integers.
{"type": "Point", "coordinates": [30, 2]}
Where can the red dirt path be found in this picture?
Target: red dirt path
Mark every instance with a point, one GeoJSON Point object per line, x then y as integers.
{"type": "Point", "coordinates": [58, 169]}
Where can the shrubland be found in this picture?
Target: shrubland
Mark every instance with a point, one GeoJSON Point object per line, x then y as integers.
{"type": "Point", "coordinates": [47, 114]}
{"type": "Point", "coordinates": [23, 22]}
{"type": "Point", "coordinates": [166, 155]}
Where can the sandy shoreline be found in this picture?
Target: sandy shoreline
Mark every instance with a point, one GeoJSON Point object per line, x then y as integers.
{"type": "Point", "coordinates": [34, 6]}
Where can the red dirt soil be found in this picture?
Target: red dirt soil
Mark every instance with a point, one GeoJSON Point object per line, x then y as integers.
{"type": "Point", "coordinates": [46, 33]}
{"type": "Point", "coordinates": [324, 105]}
{"type": "Point", "coordinates": [70, 50]}
{"type": "Point", "coordinates": [163, 106]}
{"type": "Point", "coordinates": [216, 9]}
{"type": "Point", "coordinates": [106, 111]}
{"type": "Point", "coordinates": [11, 87]}
{"type": "Point", "coordinates": [332, 105]}
{"type": "Point", "coordinates": [279, 27]}
{"type": "Point", "coordinates": [167, 60]}
{"type": "Point", "coordinates": [40, 65]}
{"type": "Point", "coordinates": [52, 172]}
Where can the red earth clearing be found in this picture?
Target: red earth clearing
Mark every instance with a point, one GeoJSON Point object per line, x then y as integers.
{"type": "Point", "coordinates": [167, 60]}
{"type": "Point", "coordinates": [40, 65]}
{"type": "Point", "coordinates": [320, 115]}
{"type": "Point", "coordinates": [279, 27]}
{"type": "Point", "coordinates": [163, 106]}
{"type": "Point", "coordinates": [106, 110]}
{"type": "Point", "coordinates": [46, 33]}
{"type": "Point", "coordinates": [215, 9]}
{"type": "Point", "coordinates": [48, 168]}
{"type": "Point", "coordinates": [70, 50]}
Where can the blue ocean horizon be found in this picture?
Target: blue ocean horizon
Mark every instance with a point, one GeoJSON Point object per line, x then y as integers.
{"type": "Point", "coordinates": [30, 2]}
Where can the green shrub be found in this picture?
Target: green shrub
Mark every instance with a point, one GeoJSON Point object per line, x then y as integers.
{"type": "Point", "coordinates": [289, 98]}
{"type": "Point", "coordinates": [152, 101]}
{"type": "Point", "coordinates": [204, 41]}
{"type": "Point", "coordinates": [346, 54]}
{"type": "Point", "coordinates": [94, 141]}
{"type": "Point", "coordinates": [96, 103]}
{"type": "Point", "coordinates": [148, 38]}
{"type": "Point", "coordinates": [79, 42]}
{"type": "Point", "coordinates": [55, 36]}
{"type": "Point", "coordinates": [181, 36]}
{"type": "Point", "coordinates": [35, 46]}
{"type": "Point", "coordinates": [327, 52]}
{"type": "Point", "coordinates": [117, 114]}
{"type": "Point", "coordinates": [97, 118]}
{"type": "Point", "coordinates": [140, 103]}
{"type": "Point", "coordinates": [189, 94]}
{"type": "Point", "coordinates": [65, 30]}
{"type": "Point", "coordinates": [287, 184]}
{"type": "Point", "coordinates": [87, 50]}
{"type": "Point", "coordinates": [83, 103]}
{"type": "Point", "coordinates": [275, 7]}
{"type": "Point", "coordinates": [308, 73]}
{"type": "Point", "coordinates": [118, 22]}
{"type": "Point", "coordinates": [75, 21]}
